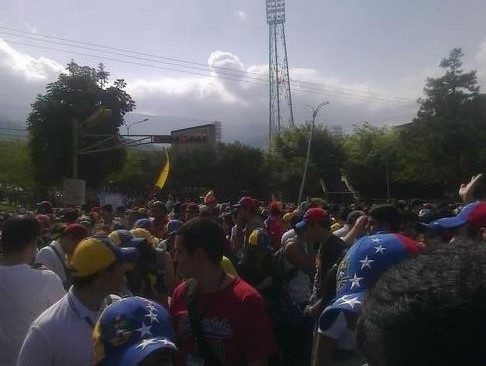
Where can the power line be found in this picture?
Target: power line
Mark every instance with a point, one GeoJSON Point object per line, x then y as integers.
{"type": "Point", "coordinates": [302, 85]}
{"type": "Point", "coordinates": [36, 35]}
{"type": "Point", "coordinates": [301, 90]}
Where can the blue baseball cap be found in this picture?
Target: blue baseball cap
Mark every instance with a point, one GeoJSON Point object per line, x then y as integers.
{"type": "Point", "coordinates": [363, 264]}
{"type": "Point", "coordinates": [173, 226]}
{"type": "Point", "coordinates": [143, 223]}
{"type": "Point", "coordinates": [474, 213]}
{"type": "Point", "coordinates": [259, 238]}
{"type": "Point", "coordinates": [131, 329]}
{"type": "Point", "coordinates": [125, 239]}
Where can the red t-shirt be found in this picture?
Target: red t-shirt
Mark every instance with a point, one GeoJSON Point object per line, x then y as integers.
{"type": "Point", "coordinates": [236, 324]}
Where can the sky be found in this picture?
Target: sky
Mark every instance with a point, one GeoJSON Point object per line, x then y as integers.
{"type": "Point", "coordinates": [194, 61]}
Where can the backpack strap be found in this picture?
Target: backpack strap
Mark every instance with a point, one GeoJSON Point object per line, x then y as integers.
{"type": "Point", "coordinates": [63, 262]}
{"type": "Point", "coordinates": [202, 346]}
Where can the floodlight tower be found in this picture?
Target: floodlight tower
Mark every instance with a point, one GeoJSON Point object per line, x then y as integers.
{"type": "Point", "coordinates": [280, 98]}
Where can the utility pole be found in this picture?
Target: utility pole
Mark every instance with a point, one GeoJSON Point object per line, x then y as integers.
{"type": "Point", "coordinates": [309, 142]}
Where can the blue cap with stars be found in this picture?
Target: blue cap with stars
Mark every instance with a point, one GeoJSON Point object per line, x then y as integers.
{"type": "Point", "coordinates": [365, 261]}
{"type": "Point", "coordinates": [130, 329]}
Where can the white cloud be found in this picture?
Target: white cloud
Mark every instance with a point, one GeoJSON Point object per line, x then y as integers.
{"type": "Point", "coordinates": [480, 61]}
{"type": "Point", "coordinates": [241, 14]}
{"type": "Point", "coordinates": [26, 66]}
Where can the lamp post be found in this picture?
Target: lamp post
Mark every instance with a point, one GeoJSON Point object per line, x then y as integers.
{"type": "Point", "coordinates": [131, 124]}
{"type": "Point", "coordinates": [315, 111]}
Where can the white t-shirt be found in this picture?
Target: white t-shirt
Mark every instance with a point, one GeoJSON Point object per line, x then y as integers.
{"type": "Point", "coordinates": [62, 335]}
{"type": "Point", "coordinates": [341, 233]}
{"type": "Point", "coordinates": [48, 257]}
{"type": "Point", "coordinates": [24, 294]}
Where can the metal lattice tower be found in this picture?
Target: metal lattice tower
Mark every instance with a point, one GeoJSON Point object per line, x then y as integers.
{"type": "Point", "coordinates": [280, 98]}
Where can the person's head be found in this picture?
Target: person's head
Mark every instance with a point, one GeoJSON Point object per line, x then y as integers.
{"type": "Point", "coordinates": [44, 208]}
{"type": "Point", "coordinates": [342, 215]}
{"type": "Point", "coordinates": [159, 210]}
{"type": "Point", "coordinates": [99, 264]}
{"type": "Point", "coordinates": [71, 237]}
{"type": "Point", "coordinates": [192, 211]}
{"type": "Point", "coordinates": [316, 224]}
{"type": "Point", "coordinates": [428, 310]}
{"type": "Point", "coordinates": [45, 223]}
{"type": "Point", "coordinates": [469, 223]}
{"type": "Point", "coordinates": [259, 246]}
{"type": "Point", "coordinates": [246, 208]}
{"type": "Point", "coordinates": [353, 217]}
{"type": "Point", "coordinates": [384, 218]}
{"type": "Point", "coordinates": [132, 332]}
{"type": "Point", "coordinates": [70, 216]}
{"type": "Point", "coordinates": [19, 234]}
{"type": "Point", "coordinates": [199, 244]}
{"type": "Point", "coordinates": [107, 212]}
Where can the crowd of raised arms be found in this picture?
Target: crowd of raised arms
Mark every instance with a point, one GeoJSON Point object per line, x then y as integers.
{"type": "Point", "coordinates": [250, 283]}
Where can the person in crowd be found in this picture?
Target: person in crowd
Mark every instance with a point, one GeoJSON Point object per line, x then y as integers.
{"type": "Point", "coordinates": [168, 242]}
{"type": "Point", "coordinates": [160, 218]}
{"type": "Point", "coordinates": [381, 219]}
{"type": "Point", "coordinates": [256, 266]}
{"type": "Point", "coordinates": [26, 290]}
{"type": "Point", "coordinates": [219, 319]}
{"type": "Point", "coordinates": [135, 332]}
{"type": "Point", "coordinates": [428, 311]}
{"type": "Point", "coordinates": [295, 218]}
{"type": "Point", "coordinates": [108, 218]}
{"type": "Point", "coordinates": [316, 225]}
{"type": "Point", "coordinates": [122, 218]}
{"type": "Point", "coordinates": [350, 222]}
{"type": "Point", "coordinates": [247, 220]}
{"type": "Point", "coordinates": [275, 225]}
{"type": "Point", "coordinates": [45, 208]}
{"type": "Point", "coordinates": [153, 274]}
{"type": "Point", "coordinates": [55, 256]}
{"type": "Point", "coordinates": [62, 335]}
{"type": "Point", "coordinates": [469, 223]}
{"type": "Point", "coordinates": [192, 211]}
{"type": "Point", "coordinates": [357, 273]}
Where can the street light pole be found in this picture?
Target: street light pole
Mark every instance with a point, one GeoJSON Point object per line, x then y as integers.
{"type": "Point", "coordinates": [129, 125]}
{"type": "Point", "coordinates": [315, 111]}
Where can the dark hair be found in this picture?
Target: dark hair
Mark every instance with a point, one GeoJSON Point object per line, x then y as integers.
{"type": "Point", "coordinates": [428, 310]}
{"type": "Point", "coordinates": [204, 233]}
{"type": "Point", "coordinates": [18, 233]}
{"type": "Point", "coordinates": [386, 214]}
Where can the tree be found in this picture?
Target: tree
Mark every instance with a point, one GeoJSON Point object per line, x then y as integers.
{"type": "Point", "coordinates": [445, 142]}
{"type": "Point", "coordinates": [326, 159]}
{"type": "Point", "coordinates": [371, 157]}
{"type": "Point", "coordinates": [15, 167]}
{"type": "Point", "coordinates": [74, 97]}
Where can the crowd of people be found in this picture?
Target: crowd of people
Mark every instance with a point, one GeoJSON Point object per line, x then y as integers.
{"type": "Point", "coordinates": [252, 283]}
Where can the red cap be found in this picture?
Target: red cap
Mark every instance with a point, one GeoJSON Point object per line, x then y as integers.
{"type": "Point", "coordinates": [76, 231]}
{"type": "Point", "coordinates": [478, 215]}
{"type": "Point", "coordinates": [247, 202]}
{"type": "Point", "coordinates": [313, 215]}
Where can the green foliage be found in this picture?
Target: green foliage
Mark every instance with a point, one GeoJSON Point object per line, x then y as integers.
{"type": "Point", "coordinates": [287, 164]}
{"type": "Point", "coordinates": [371, 155]}
{"type": "Point", "coordinates": [73, 98]}
{"type": "Point", "coordinates": [445, 143]}
{"type": "Point", "coordinates": [15, 167]}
